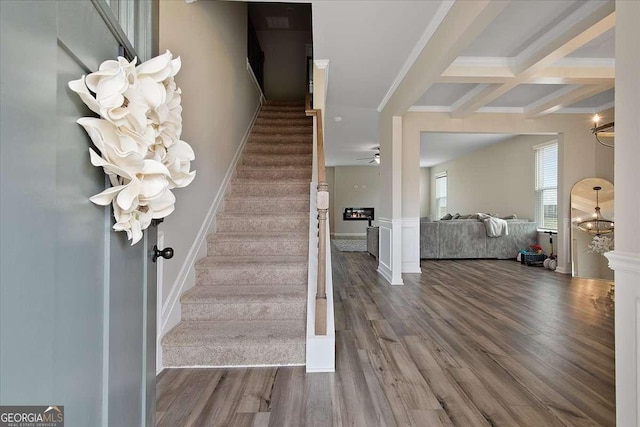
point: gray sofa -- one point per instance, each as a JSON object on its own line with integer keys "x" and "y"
{"x": 467, "y": 238}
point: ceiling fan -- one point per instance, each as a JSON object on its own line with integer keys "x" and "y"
{"x": 375, "y": 158}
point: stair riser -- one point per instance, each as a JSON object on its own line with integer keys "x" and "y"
{"x": 259, "y": 224}
{"x": 266, "y": 205}
{"x": 268, "y": 190}
{"x": 274, "y": 353}
{"x": 284, "y": 310}
{"x": 282, "y": 114}
{"x": 279, "y": 139}
{"x": 265, "y": 121}
{"x": 279, "y": 106}
{"x": 257, "y": 148}
{"x": 275, "y": 160}
{"x": 282, "y": 130}
{"x": 250, "y": 275}
{"x": 257, "y": 248}
{"x": 274, "y": 173}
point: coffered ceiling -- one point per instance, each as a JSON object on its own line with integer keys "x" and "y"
{"x": 536, "y": 57}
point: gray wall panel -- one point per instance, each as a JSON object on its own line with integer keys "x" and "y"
{"x": 27, "y": 200}
{"x": 72, "y": 292}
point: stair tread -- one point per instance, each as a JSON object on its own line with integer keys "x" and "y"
{"x": 259, "y": 236}
{"x": 202, "y": 333}
{"x": 283, "y": 261}
{"x": 291, "y": 196}
{"x": 244, "y": 293}
{"x": 285, "y": 144}
{"x": 267, "y": 215}
{"x": 274, "y": 167}
{"x": 271, "y": 181}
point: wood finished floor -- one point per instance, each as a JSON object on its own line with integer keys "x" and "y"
{"x": 466, "y": 343}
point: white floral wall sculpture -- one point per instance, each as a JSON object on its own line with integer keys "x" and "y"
{"x": 138, "y": 136}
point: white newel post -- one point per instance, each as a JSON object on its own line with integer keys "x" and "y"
{"x": 625, "y": 260}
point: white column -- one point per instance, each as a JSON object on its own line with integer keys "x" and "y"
{"x": 410, "y": 203}
{"x": 390, "y": 222}
{"x": 625, "y": 260}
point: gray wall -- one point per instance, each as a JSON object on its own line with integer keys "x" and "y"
{"x": 284, "y": 64}
{"x": 425, "y": 191}
{"x": 495, "y": 179}
{"x": 219, "y": 101}
{"x": 355, "y": 186}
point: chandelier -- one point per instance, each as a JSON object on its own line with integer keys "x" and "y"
{"x": 597, "y": 225}
{"x": 606, "y": 131}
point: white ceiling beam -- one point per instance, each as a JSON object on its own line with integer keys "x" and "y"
{"x": 553, "y": 75}
{"x": 563, "y": 98}
{"x": 464, "y": 22}
{"x": 587, "y": 23}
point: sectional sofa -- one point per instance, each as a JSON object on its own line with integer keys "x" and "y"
{"x": 467, "y": 238}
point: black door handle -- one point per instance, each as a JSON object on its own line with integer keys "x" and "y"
{"x": 166, "y": 253}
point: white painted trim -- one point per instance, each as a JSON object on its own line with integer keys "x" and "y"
{"x": 484, "y": 61}
{"x": 469, "y": 95}
{"x": 511, "y": 110}
{"x": 569, "y": 62}
{"x": 384, "y": 270}
{"x": 160, "y": 279}
{"x": 254, "y": 79}
{"x": 501, "y": 110}
{"x": 172, "y": 304}
{"x": 540, "y": 146}
{"x": 438, "y": 17}
{"x": 563, "y": 270}
{"x": 393, "y": 226}
{"x": 411, "y": 245}
{"x": 429, "y": 109}
{"x": 322, "y": 64}
{"x": 587, "y": 110}
{"x": 624, "y": 261}
{"x": 585, "y": 11}
{"x": 553, "y": 95}
{"x": 348, "y": 234}
{"x": 232, "y": 366}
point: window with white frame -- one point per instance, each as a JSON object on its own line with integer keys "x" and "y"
{"x": 441, "y": 194}
{"x": 546, "y": 186}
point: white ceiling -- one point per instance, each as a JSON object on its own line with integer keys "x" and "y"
{"x": 369, "y": 43}
{"x": 366, "y": 43}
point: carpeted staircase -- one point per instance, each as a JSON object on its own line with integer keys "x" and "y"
{"x": 248, "y": 306}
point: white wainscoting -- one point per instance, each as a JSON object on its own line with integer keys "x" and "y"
{"x": 411, "y": 245}
{"x": 564, "y": 256}
{"x": 390, "y": 250}
{"x": 627, "y": 302}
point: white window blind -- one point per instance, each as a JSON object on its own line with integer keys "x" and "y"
{"x": 441, "y": 194}
{"x": 546, "y": 186}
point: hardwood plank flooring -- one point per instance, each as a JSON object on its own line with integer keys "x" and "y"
{"x": 465, "y": 343}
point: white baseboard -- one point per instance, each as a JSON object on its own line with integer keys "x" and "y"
{"x": 563, "y": 270}
{"x": 186, "y": 277}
